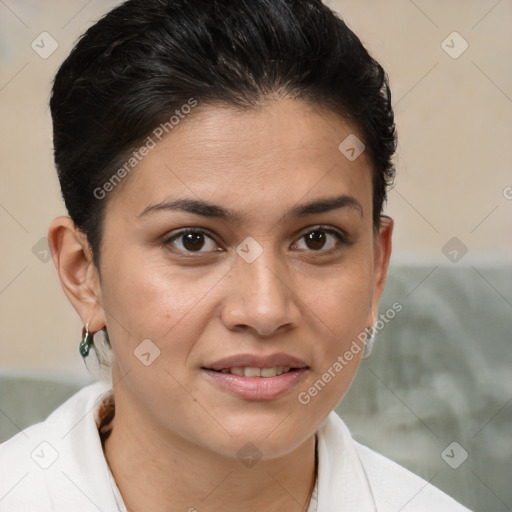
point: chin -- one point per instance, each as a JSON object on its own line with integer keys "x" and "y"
{"x": 269, "y": 434}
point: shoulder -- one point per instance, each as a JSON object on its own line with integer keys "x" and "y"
{"x": 397, "y": 488}
{"x": 37, "y": 462}
{"x": 60, "y": 420}
{"x": 392, "y": 487}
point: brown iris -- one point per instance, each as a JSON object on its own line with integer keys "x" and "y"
{"x": 193, "y": 241}
{"x": 315, "y": 239}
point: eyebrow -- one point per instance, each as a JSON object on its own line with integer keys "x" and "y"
{"x": 207, "y": 209}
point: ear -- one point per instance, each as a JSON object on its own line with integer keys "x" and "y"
{"x": 72, "y": 257}
{"x": 382, "y": 254}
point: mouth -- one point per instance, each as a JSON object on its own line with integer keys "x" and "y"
{"x": 254, "y": 377}
{"x": 257, "y": 365}
{"x": 252, "y": 371}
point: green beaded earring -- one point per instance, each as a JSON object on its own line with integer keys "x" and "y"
{"x": 87, "y": 341}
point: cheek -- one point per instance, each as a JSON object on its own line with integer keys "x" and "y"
{"x": 340, "y": 296}
{"x": 165, "y": 304}
{"x": 339, "y": 304}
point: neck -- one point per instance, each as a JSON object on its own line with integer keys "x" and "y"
{"x": 157, "y": 471}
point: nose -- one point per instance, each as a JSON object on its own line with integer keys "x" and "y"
{"x": 261, "y": 298}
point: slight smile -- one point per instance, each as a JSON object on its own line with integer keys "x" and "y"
{"x": 256, "y": 377}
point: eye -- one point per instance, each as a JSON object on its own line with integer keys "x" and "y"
{"x": 322, "y": 238}
{"x": 318, "y": 239}
{"x": 192, "y": 240}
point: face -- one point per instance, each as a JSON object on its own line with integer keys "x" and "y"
{"x": 238, "y": 264}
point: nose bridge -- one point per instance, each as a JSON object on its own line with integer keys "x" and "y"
{"x": 263, "y": 301}
{"x": 261, "y": 279}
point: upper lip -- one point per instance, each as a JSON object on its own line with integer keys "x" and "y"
{"x": 257, "y": 361}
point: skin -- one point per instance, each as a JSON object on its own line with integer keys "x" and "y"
{"x": 307, "y": 300}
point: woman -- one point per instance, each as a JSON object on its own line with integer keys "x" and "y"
{"x": 224, "y": 165}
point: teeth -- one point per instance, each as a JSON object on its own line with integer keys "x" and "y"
{"x": 268, "y": 372}
{"x": 251, "y": 371}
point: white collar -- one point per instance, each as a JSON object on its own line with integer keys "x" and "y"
{"x": 342, "y": 480}
{"x": 342, "y": 483}
{"x": 78, "y": 476}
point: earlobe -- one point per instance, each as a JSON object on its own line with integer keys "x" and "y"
{"x": 382, "y": 255}
{"x": 78, "y": 276}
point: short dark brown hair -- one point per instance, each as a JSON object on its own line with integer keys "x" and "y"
{"x": 145, "y": 59}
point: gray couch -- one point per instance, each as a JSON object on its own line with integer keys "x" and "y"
{"x": 435, "y": 396}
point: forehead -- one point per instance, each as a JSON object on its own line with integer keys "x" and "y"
{"x": 279, "y": 153}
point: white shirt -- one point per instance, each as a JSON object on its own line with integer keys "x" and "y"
{"x": 58, "y": 465}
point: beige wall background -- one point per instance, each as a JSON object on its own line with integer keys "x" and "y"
{"x": 454, "y": 179}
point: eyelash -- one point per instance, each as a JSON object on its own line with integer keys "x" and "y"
{"x": 342, "y": 239}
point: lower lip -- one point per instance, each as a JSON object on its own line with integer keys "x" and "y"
{"x": 256, "y": 388}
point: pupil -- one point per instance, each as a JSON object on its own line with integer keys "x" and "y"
{"x": 194, "y": 241}
{"x": 316, "y": 238}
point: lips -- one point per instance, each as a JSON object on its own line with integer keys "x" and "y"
{"x": 279, "y": 360}
{"x": 255, "y": 377}
{"x": 252, "y": 371}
